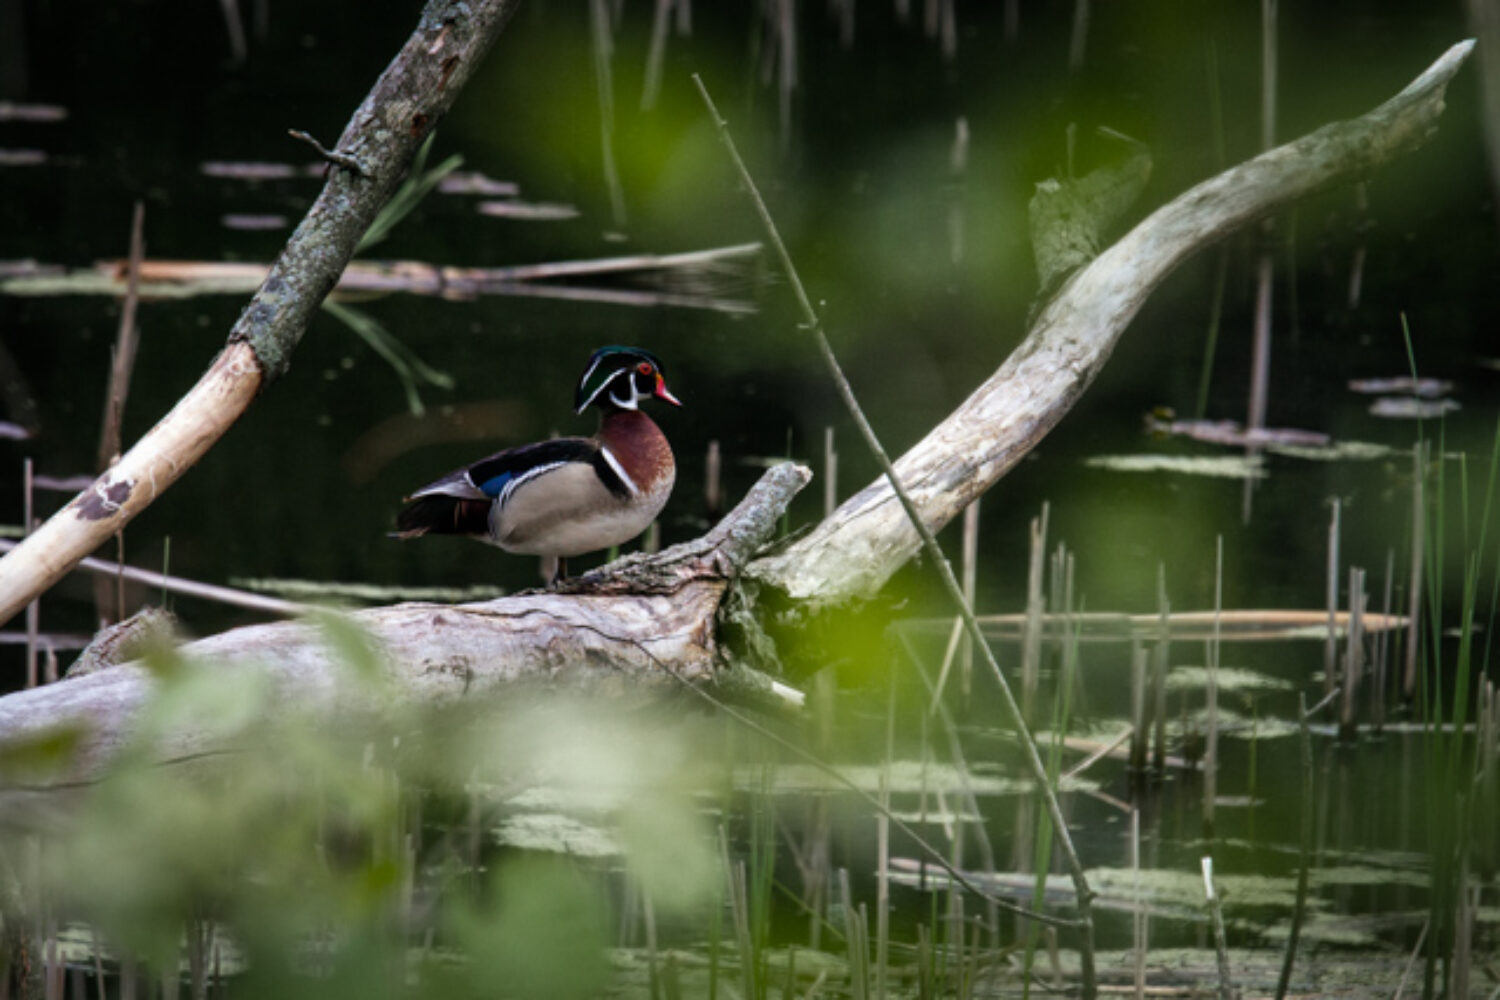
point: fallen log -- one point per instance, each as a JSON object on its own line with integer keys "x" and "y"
{"x": 641, "y": 624}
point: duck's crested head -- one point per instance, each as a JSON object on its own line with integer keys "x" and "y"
{"x": 618, "y": 378}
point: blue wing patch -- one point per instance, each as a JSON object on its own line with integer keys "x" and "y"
{"x": 495, "y": 485}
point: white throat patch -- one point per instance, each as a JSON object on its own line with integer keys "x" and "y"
{"x": 614, "y": 463}
{"x": 630, "y": 403}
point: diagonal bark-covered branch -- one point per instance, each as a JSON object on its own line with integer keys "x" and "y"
{"x": 855, "y": 550}
{"x": 414, "y": 92}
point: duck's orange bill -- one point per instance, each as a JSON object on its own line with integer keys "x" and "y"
{"x": 662, "y": 393}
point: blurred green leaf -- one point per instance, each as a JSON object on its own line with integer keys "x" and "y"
{"x": 39, "y": 756}
{"x": 669, "y": 851}
{"x": 351, "y": 644}
{"x": 403, "y": 360}
{"x": 418, "y": 184}
{"x": 540, "y": 932}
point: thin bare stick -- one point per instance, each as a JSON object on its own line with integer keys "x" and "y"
{"x": 883, "y": 846}
{"x": 34, "y": 609}
{"x": 1089, "y": 985}
{"x": 1099, "y": 754}
{"x": 969, "y": 565}
{"x": 1036, "y": 607}
{"x": 1078, "y": 39}
{"x": 1419, "y": 458}
{"x": 1260, "y": 364}
{"x": 1354, "y": 656}
{"x": 1235, "y": 625}
{"x": 1160, "y": 656}
{"x": 786, "y": 78}
{"x": 950, "y": 654}
{"x": 1362, "y": 225}
{"x": 656, "y": 54}
{"x": 1378, "y": 686}
{"x": 603, "y": 46}
{"x": 1330, "y": 641}
{"x": 337, "y": 157}
{"x": 188, "y": 588}
{"x": 1412, "y": 959}
{"x": 1304, "y": 848}
{"x": 1211, "y": 752}
{"x": 1138, "y": 917}
{"x": 830, "y": 473}
{"x": 1323, "y": 703}
{"x": 173, "y": 279}
{"x": 1216, "y": 914}
{"x": 234, "y": 22}
{"x": 127, "y": 340}
{"x": 1138, "y": 729}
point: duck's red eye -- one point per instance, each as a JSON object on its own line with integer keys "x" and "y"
{"x": 644, "y": 368}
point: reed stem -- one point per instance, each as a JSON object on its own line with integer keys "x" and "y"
{"x": 1330, "y": 640}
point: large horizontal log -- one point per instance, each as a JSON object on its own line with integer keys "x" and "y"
{"x": 640, "y": 625}
{"x": 855, "y": 550}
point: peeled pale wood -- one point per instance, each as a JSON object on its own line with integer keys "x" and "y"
{"x": 130, "y": 486}
{"x": 853, "y": 552}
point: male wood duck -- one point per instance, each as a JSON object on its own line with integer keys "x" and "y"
{"x": 570, "y": 495}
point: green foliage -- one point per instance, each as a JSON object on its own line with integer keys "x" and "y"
{"x": 354, "y": 859}
{"x": 536, "y": 931}
{"x": 419, "y": 184}
{"x": 409, "y": 368}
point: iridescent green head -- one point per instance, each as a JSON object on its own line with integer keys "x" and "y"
{"x": 619, "y": 378}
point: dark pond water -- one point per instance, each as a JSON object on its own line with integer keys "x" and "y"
{"x": 923, "y": 272}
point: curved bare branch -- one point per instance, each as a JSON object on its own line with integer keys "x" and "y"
{"x": 855, "y": 550}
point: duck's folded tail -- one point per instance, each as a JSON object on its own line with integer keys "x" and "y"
{"x": 436, "y": 514}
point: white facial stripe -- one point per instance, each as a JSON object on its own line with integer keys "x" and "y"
{"x": 626, "y": 404}
{"x": 614, "y": 463}
{"x": 592, "y": 366}
{"x": 606, "y": 384}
